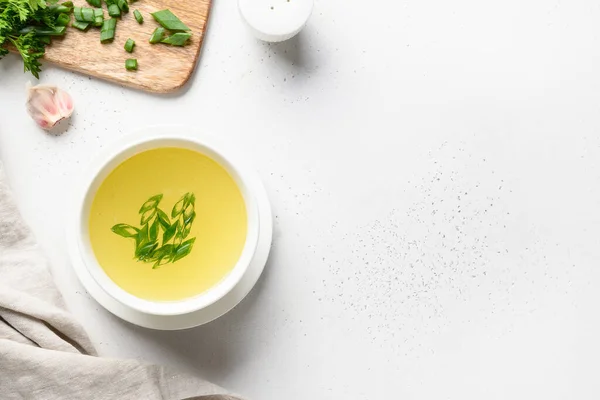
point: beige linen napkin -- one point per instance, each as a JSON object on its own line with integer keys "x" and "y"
{"x": 45, "y": 353}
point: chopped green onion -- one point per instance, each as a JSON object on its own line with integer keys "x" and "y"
{"x": 84, "y": 14}
{"x": 82, "y": 26}
{"x": 123, "y": 5}
{"x": 61, "y": 8}
{"x": 107, "y": 33}
{"x": 129, "y": 44}
{"x": 131, "y": 64}
{"x": 46, "y": 39}
{"x": 88, "y": 14}
{"x": 98, "y": 17}
{"x": 157, "y": 35}
{"x": 78, "y": 14}
{"x": 67, "y": 4}
{"x": 44, "y": 31}
{"x": 95, "y": 3}
{"x": 114, "y": 11}
{"x": 138, "y": 16}
{"x": 168, "y": 20}
{"x": 62, "y": 20}
{"x": 177, "y": 39}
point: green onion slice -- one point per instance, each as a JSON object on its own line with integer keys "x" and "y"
{"x": 169, "y": 21}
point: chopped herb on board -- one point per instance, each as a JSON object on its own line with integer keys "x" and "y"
{"x": 131, "y": 64}
{"x": 169, "y": 21}
{"x": 82, "y": 26}
{"x": 177, "y": 39}
{"x": 157, "y": 35}
{"x": 129, "y": 45}
{"x": 107, "y": 33}
{"x": 123, "y": 6}
{"x": 138, "y": 16}
{"x": 178, "y": 34}
{"x": 114, "y": 11}
{"x": 44, "y": 31}
{"x": 98, "y": 17}
{"x": 62, "y": 20}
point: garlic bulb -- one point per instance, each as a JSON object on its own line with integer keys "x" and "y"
{"x": 48, "y": 105}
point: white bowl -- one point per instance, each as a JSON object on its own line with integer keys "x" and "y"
{"x": 275, "y": 20}
{"x": 84, "y": 260}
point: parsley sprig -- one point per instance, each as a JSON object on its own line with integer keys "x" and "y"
{"x": 15, "y": 17}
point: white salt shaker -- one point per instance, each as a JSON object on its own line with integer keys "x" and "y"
{"x": 275, "y": 20}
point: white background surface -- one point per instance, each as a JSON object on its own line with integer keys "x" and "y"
{"x": 434, "y": 171}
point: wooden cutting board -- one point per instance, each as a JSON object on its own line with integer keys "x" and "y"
{"x": 161, "y": 68}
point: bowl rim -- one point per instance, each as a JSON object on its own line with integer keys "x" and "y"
{"x": 140, "y": 141}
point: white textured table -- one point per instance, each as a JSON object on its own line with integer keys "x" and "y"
{"x": 434, "y": 169}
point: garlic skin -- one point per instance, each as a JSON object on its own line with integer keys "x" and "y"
{"x": 48, "y": 105}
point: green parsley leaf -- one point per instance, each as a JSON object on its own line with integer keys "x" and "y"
{"x": 15, "y": 15}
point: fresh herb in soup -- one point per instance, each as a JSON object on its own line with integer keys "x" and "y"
{"x": 169, "y": 247}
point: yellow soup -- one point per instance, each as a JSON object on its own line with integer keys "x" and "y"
{"x": 168, "y": 224}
